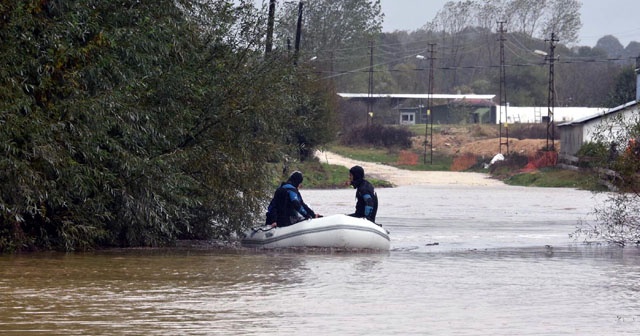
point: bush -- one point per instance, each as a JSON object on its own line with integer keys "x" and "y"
{"x": 378, "y": 136}
{"x": 507, "y": 167}
{"x": 592, "y": 154}
{"x": 616, "y": 222}
{"x": 592, "y": 149}
{"x": 531, "y": 131}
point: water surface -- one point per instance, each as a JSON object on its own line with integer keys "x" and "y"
{"x": 464, "y": 261}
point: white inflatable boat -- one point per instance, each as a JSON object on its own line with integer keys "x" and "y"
{"x": 335, "y": 231}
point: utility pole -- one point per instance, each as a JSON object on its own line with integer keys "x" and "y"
{"x": 420, "y": 88}
{"x": 551, "y": 102}
{"x": 503, "y": 92}
{"x": 428, "y": 126}
{"x": 370, "y": 91}
{"x": 637, "y": 70}
{"x": 298, "y": 34}
{"x": 270, "y": 22}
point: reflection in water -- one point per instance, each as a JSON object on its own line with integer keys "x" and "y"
{"x": 513, "y": 274}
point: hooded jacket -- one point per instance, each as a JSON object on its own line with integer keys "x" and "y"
{"x": 366, "y": 198}
{"x": 287, "y": 206}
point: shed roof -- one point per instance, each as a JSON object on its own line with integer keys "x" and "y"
{"x": 417, "y": 96}
{"x": 599, "y": 115}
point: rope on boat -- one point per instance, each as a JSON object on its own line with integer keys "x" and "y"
{"x": 262, "y": 229}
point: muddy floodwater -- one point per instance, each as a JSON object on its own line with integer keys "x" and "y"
{"x": 463, "y": 261}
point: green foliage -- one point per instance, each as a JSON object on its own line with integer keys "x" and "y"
{"x": 625, "y": 87}
{"x": 593, "y": 154}
{"x": 458, "y": 113}
{"x": 367, "y": 154}
{"x": 527, "y": 86}
{"x": 379, "y": 136}
{"x": 419, "y": 129}
{"x": 315, "y": 117}
{"x": 326, "y": 176}
{"x": 556, "y": 178}
{"x": 322, "y": 175}
{"x": 429, "y": 162}
{"x": 593, "y": 149}
{"x": 436, "y": 162}
{"x": 137, "y": 123}
{"x": 530, "y": 131}
{"x": 331, "y": 30}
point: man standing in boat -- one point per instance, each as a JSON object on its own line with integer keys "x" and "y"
{"x": 367, "y": 200}
{"x": 287, "y": 207}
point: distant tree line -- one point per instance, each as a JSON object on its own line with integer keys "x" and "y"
{"x": 466, "y": 59}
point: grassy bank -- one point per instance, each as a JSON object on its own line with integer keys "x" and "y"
{"x": 555, "y": 178}
{"x": 319, "y": 175}
{"x": 392, "y": 157}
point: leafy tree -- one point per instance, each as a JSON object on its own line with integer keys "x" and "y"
{"x": 315, "y": 122}
{"x": 624, "y": 90}
{"x": 539, "y": 19}
{"x": 563, "y": 18}
{"x": 407, "y": 77}
{"x": 488, "y": 12}
{"x": 583, "y": 83}
{"x": 334, "y": 25}
{"x": 452, "y": 20}
{"x": 527, "y": 86}
{"x": 136, "y": 122}
{"x": 524, "y": 16}
{"x": 337, "y": 33}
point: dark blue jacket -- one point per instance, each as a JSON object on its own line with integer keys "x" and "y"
{"x": 366, "y": 200}
{"x": 287, "y": 207}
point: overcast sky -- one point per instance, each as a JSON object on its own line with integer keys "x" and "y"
{"x": 619, "y": 18}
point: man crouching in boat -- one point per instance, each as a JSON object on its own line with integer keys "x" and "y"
{"x": 287, "y": 207}
{"x": 366, "y": 198}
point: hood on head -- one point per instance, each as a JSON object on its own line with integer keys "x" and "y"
{"x": 357, "y": 172}
{"x": 295, "y": 179}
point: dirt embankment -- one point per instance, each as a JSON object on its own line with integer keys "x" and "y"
{"x": 483, "y": 141}
{"x": 480, "y": 141}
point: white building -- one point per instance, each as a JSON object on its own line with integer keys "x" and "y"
{"x": 538, "y": 114}
{"x": 607, "y": 125}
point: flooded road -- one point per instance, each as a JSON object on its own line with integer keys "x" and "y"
{"x": 463, "y": 261}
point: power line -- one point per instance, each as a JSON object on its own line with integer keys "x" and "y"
{"x": 333, "y": 74}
